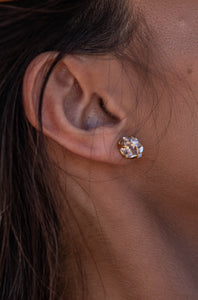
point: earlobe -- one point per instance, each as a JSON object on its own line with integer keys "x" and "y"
{"x": 74, "y": 113}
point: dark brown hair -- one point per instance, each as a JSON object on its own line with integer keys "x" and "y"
{"x": 29, "y": 206}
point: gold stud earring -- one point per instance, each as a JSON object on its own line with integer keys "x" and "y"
{"x": 130, "y": 147}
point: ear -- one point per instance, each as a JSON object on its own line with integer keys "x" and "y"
{"x": 79, "y": 111}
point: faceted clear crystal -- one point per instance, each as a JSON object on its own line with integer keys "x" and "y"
{"x": 130, "y": 147}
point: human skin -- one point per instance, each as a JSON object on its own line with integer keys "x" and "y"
{"x": 138, "y": 217}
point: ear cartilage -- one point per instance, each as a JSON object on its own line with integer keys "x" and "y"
{"x": 130, "y": 147}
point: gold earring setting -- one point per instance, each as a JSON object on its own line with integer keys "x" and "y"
{"x": 130, "y": 147}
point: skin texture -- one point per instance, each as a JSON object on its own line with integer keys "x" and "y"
{"x": 138, "y": 217}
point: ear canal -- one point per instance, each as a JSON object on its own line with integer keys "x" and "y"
{"x": 97, "y": 115}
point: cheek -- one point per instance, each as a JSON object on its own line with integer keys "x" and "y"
{"x": 174, "y": 25}
{"x": 178, "y": 145}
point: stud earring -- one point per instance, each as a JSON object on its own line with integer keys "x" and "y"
{"x": 130, "y": 147}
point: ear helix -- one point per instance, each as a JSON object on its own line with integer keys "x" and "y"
{"x": 130, "y": 147}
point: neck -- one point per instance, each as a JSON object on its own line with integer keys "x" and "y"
{"x": 133, "y": 246}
